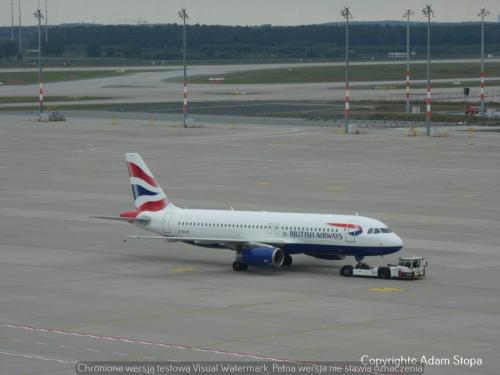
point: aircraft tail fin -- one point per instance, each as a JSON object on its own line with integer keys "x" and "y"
{"x": 148, "y": 195}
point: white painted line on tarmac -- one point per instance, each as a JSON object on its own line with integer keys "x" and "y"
{"x": 66, "y": 347}
{"x": 146, "y": 342}
{"x": 41, "y": 343}
{"x": 35, "y": 356}
{"x": 92, "y": 350}
{"x": 16, "y": 340}
{"x": 155, "y": 343}
{"x": 120, "y": 354}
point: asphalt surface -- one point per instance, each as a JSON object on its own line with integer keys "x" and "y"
{"x": 71, "y": 289}
{"x": 158, "y": 86}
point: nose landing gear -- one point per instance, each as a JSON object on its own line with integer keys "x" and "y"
{"x": 360, "y": 264}
{"x": 288, "y": 260}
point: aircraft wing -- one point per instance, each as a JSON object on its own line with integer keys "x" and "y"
{"x": 229, "y": 242}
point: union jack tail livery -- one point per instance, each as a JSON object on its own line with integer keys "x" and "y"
{"x": 148, "y": 195}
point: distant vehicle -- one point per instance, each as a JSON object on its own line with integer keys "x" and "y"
{"x": 258, "y": 238}
{"x": 408, "y": 268}
{"x": 471, "y": 110}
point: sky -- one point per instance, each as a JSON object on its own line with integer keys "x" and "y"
{"x": 242, "y": 12}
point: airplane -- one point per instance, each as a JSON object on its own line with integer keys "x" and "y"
{"x": 259, "y": 238}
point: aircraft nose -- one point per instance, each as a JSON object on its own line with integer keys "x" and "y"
{"x": 397, "y": 241}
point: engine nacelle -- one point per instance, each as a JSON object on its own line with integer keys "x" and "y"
{"x": 262, "y": 256}
{"x": 326, "y": 256}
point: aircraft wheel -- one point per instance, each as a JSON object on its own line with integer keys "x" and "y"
{"x": 384, "y": 273}
{"x": 346, "y": 271}
{"x": 288, "y": 260}
{"x": 237, "y": 266}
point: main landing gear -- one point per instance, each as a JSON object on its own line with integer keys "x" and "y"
{"x": 288, "y": 260}
{"x": 238, "y": 266}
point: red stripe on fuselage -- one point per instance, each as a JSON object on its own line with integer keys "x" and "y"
{"x": 349, "y": 226}
{"x": 136, "y": 171}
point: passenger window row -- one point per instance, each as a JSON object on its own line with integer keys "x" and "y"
{"x": 219, "y": 225}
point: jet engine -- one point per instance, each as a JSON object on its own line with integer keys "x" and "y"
{"x": 262, "y": 256}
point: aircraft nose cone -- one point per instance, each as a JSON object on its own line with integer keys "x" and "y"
{"x": 397, "y": 241}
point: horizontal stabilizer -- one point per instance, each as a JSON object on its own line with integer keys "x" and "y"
{"x": 151, "y": 238}
{"x": 125, "y": 219}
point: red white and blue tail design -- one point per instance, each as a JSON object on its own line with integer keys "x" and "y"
{"x": 148, "y": 195}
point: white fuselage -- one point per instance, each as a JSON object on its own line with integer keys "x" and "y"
{"x": 297, "y": 232}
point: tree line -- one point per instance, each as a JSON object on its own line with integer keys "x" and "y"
{"x": 164, "y": 42}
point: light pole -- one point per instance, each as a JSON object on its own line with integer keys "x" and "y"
{"x": 46, "y": 21}
{"x": 407, "y": 15}
{"x": 12, "y": 19}
{"x": 427, "y": 11}
{"x": 183, "y": 14}
{"x": 346, "y": 13}
{"x": 20, "y": 33}
{"x": 38, "y": 15}
{"x": 483, "y": 13}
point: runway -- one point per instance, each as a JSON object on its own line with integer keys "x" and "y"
{"x": 157, "y": 85}
{"x": 71, "y": 289}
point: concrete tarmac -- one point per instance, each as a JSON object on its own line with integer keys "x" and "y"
{"x": 71, "y": 289}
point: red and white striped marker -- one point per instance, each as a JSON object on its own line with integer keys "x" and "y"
{"x": 482, "y": 87}
{"x": 40, "y": 102}
{"x": 347, "y": 109}
{"x": 408, "y": 84}
{"x": 185, "y": 106}
{"x": 429, "y": 102}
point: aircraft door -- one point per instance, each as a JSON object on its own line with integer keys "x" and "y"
{"x": 273, "y": 229}
{"x": 350, "y": 231}
{"x": 269, "y": 228}
{"x": 166, "y": 223}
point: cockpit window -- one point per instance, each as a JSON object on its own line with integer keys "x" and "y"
{"x": 379, "y": 230}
